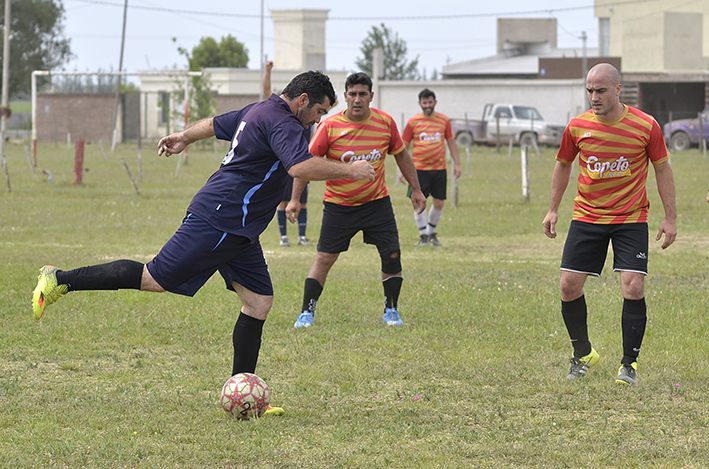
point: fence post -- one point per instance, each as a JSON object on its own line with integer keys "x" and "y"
{"x": 525, "y": 174}
{"x": 78, "y": 161}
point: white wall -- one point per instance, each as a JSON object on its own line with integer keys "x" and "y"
{"x": 556, "y": 100}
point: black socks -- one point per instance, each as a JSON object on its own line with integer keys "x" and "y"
{"x": 311, "y": 294}
{"x": 633, "y": 322}
{"x": 575, "y": 315}
{"x": 247, "y": 343}
{"x": 123, "y": 274}
{"x": 392, "y": 288}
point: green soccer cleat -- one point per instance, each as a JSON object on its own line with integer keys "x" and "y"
{"x": 274, "y": 411}
{"x": 47, "y": 291}
{"x": 628, "y": 374}
{"x": 580, "y": 366}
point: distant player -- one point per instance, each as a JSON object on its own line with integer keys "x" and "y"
{"x": 430, "y": 130}
{"x": 616, "y": 145}
{"x": 359, "y": 133}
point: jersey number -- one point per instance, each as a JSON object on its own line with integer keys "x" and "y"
{"x": 234, "y": 143}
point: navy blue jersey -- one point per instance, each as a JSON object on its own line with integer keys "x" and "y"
{"x": 242, "y": 195}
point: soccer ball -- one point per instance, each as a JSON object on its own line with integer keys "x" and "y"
{"x": 245, "y": 396}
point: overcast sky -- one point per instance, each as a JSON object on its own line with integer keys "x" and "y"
{"x": 439, "y": 32}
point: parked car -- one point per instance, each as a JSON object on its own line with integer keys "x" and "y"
{"x": 683, "y": 133}
{"x": 523, "y": 124}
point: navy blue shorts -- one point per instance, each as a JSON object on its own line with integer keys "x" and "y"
{"x": 375, "y": 219}
{"x": 433, "y": 182}
{"x": 196, "y": 251}
{"x": 586, "y": 247}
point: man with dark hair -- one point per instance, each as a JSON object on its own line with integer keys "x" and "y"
{"x": 225, "y": 218}
{"x": 359, "y": 133}
{"x": 430, "y": 130}
{"x": 616, "y": 145}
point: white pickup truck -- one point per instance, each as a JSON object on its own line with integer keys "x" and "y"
{"x": 523, "y": 124}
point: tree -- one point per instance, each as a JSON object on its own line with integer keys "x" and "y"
{"x": 396, "y": 65}
{"x": 228, "y": 53}
{"x": 36, "y": 41}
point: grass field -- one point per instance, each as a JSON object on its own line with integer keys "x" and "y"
{"x": 474, "y": 378}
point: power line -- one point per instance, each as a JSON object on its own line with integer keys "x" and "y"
{"x": 374, "y": 18}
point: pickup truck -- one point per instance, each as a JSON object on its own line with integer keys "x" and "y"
{"x": 523, "y": 124}
{"x": 683, "y": 133}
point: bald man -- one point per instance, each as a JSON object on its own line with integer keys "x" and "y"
{"x": 616, "y": 145}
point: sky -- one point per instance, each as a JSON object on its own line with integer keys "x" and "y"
{"x": 438, "y": 33}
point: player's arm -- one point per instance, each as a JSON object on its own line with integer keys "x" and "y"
{"x": 267, "y": 79}
{"x": 177, "y": 142}
{"x": 453, "y": 147}
{"x": 320, "y": 169}
{"x": 294, "y": 206}
{"x": 559, "y": 182}
{"x": 408, "y": 170}
{"x": 666, "y": 189}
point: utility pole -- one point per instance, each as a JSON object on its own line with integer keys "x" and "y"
{"x": 118, "y": 84}
{"x": 584, "y": 66}
{"x": 5, "y": 114}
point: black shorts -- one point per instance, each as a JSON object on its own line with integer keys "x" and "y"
{"x": 196, "y": 250}
{"x": 289, "y": 190}
{"x": 375, "y": 219}
{"x": 586, "y": 247}
{"x": 433, "y": 183}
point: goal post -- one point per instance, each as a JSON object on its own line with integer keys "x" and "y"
{"x": 81, "y": 83}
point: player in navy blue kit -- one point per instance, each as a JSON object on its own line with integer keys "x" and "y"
{"x": 225, "y": 218}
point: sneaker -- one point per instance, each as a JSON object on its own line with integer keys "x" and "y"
{"x": 391, "y": 317}
{"x": 433, "y": 240}
{"x": 47, "y": 291}
{"x": 303, "y": 241}
{"x": 423, "y": 241}
{"x": 628, "y": 374}
{"x": 274, "y": 411}
{"x": 580, "y": 366}
{"x": 285, "y": 242}
{"x": 305, "y": 319}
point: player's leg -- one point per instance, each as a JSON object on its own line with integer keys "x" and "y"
{"x": 54, "y": 283}
{"x": 421, "y": 219}
{"x": 281, "y": 212}
{"x": 584, "y": 254}
{"x": 303, "y": 218}
{"x": 248, "y": 329}
{"x": 434, "y": 218}
{"x": 439, "y": 182}
{"x": 314, "y": 284}
{"x": 339, "y": 225}
{"x": 283, "y": 223}
{"x": 246, "y": 273}
{"x": 380, "y": 229}
{"x": 630, "y": 247}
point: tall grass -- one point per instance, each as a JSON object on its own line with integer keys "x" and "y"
{"x": 474, "y": 378}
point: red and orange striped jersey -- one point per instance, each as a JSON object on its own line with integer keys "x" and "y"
{"x": 614, "y": 162}
{"x": 341, "y": 139}
{"x": 429, "y": 134}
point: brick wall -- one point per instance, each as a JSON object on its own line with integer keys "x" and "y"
{"x": 85, "y": 116}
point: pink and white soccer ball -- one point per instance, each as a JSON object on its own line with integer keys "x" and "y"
{"x": 245, "y": 396}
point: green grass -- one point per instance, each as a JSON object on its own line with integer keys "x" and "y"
{"x": 474, "y": 378}
{"x": 21, "y": 106}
